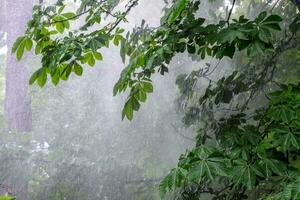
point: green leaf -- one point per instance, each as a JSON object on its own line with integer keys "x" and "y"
{"x": 91, "y": 61}
{"x": 17, "y": 43}
{"x": 255, "y": 48}
{"x": 147, "y": 87}
{"x": 61, "y": 9}
{"x": 128, "y": 110}
{"x": 231, "y": 35}
{"x": 123, "y": 50}
{"x": 265, "y": 35}
{"x": 98, "y": 56}
{"x": 66, "y": 70}
{"x": 60, "y": 27}
{"x": 42, "y": 79}
{"x": 244, "y": 174}
{"x": 69, "y": 15}
{"x": 261, "y": 16}
{"x": 66, "y": 24}
{"x": 6, "y": 197}
{"x": 20, "y": 45}
{"x": 34, "y": 76}
{"x": 94, "y": 45}
{"x": 142, "y": 96}
{"x": 291, "y": 141}
{"x": 172, "y": 181}
{"x": 270, "y": 166}
{"x": 28, "y": 44}
{"x": 55, "y": 76}
{"x": 272, "y": 19}
{"x": 117, "y": 40}
{"x": 281, "y": 113}
{"x": 20, "y": 50}
{"x": 135, "y": 104}
{"x": 175, "y": 11}
{"x": 209, "y": 165}
{"x": 38, "y": 47}
{"x": 89, "y": 58}
{"x": 78, "y": 69}
{"x": 163, "y": 187}
{"x": 116, "y": 88}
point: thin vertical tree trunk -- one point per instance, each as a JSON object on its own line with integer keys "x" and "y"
{"x": 17, "y": 102}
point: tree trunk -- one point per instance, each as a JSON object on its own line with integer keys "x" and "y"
{"x": 17, "y": 102}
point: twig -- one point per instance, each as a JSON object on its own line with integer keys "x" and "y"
{"x": 74, "y": 17}
{"x": 213, "y": 68}
{"x": 107, "y": 12}
{"x": 274, "y": 5}
{"x": 230, "y": 12}
{"x": 134, "y": 3}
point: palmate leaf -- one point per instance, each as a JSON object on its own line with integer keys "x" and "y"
{"x": 209, "y": 164}
{"x": 272, "y": 23}
{"x": 290, "y": 191}
{"x": 172, "y": 181}
{"x": 245, "y": 174}
{"x": 286, "y": 139}
{"x": 265, "y": 35}
{"x": 282, "y": 113}
{"x": 271, "y": 166}
{"x": 231, "y": 35}
{"x": 209, "y": 169}
{"x": 202, "y": 163}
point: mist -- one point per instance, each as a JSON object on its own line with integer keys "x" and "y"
{"x": 69, "y": 142}
{"x": 79, "y": 147}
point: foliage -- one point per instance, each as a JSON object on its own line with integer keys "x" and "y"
{"x": 238, "y": 154}
{"x": 251, "y": 153}
{"x": 64, "y": 55}
{"x": 6, "y": 197}
{"x": 61, "y": 56}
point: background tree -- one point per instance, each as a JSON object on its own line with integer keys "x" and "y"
{"x": 17, "y": 102}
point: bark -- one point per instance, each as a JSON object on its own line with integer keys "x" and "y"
{"x": 17, "y": 101}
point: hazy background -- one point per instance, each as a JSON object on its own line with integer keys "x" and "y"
{"x": 79, "y": 148}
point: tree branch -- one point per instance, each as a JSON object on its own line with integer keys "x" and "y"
{"x": 230, "y": 12}
{"x": 76, "y": 16}
{"x": 134, "y": 3}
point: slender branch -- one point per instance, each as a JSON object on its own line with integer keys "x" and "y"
{"x": 209, "y": 79}
{"x": 275, "y": 5}
{"x": 230, "y": 12}
{"x": 271, "y": 62}
{"x": 107, "y": 12}
{"x": 74, "y": 17}
{"x": 82, "y": 13}
{"x": 134, "y": 3}
{"x": 209, "y": 73}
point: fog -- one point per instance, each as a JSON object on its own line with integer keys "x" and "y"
{"x": 79, "y": 147}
